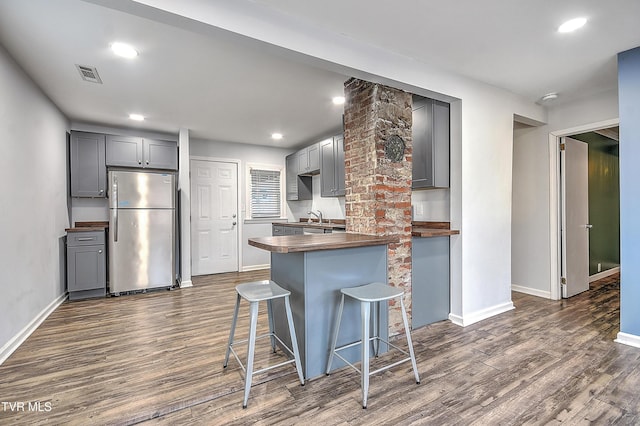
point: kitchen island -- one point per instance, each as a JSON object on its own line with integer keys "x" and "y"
{"x": 314, "y": 268}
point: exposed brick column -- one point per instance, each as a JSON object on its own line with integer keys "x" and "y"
{"x": 378, "y": 190}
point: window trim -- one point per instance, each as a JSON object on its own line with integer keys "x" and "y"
{"x": 249, "y": 213}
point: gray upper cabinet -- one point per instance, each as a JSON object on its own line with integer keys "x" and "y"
{"x": 125, "y": 151}
{"x": 159, "y": 154}
{"x": 303, "y": 161}
{"x": 313, "y": 155}
{"x": 298, "y": 187}
{"x": 309, "y": 160}
{"x": 338, "y": 146}
{"x": 88, "y": 170}
{"x": 430, "y": 133}
{"x": 332, "y": 167}
{"x": 129, "y": 151}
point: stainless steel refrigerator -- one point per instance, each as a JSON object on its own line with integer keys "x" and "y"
{"x": 141, "y": 230}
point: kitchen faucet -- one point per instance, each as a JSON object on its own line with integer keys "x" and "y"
{"x": 317, "y": 215}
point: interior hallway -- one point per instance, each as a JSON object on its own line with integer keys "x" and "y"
{"x": 157, "y": 358}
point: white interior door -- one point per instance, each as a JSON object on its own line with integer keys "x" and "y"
{"x": 214, "y": 217}
{"x": 575, "y": 227}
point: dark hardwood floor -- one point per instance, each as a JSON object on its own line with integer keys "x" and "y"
{"x": 157, "y": 358}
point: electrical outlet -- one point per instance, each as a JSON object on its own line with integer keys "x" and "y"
{"x": 599, "y": 267}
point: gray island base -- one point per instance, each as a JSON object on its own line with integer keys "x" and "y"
{"x": 314, "y": 279}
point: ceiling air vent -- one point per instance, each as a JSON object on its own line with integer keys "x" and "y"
{"x": 89, "y": 73}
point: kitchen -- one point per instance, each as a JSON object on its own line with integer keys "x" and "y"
{"x": 484, "y": 287}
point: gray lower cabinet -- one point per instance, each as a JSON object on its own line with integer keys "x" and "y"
{"x": 87, "y": 163}
{"x": 298, "y": 187}
{"x": 332, "y": 167}
{"x": 131, "y": 151}
{"x": 429, "y": 280}
{"x": 431, "y": 136}
{"x": 86, "y": 265}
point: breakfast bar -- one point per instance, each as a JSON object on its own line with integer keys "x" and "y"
{"x": 314, "y": 268}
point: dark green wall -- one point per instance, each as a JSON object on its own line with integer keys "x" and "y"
{"x": 604, "y": 201}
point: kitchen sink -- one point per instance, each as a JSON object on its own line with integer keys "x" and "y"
{"x": 308, "y": 230}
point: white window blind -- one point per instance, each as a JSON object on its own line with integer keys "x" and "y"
{"x": 265, "y": 193}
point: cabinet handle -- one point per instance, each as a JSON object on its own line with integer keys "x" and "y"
{"x": 100, "y": 251}
{"x": 86, "y": 239}
{"x": 139, "y": 162}
{"x": 101, "y": 191}
{"x": 147, "y": 163}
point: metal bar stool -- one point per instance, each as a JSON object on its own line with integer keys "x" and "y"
{"x": 254, "y": 293}
{"x": 366, "y": 295}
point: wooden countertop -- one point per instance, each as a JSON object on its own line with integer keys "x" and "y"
{"x": 88, "y": 226}
{"x": 433, "y": 232}
{"x": 432, "y": 229}
{"x": 314, "y": 242}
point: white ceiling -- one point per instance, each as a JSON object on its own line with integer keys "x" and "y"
{"x": 225, "y": 87}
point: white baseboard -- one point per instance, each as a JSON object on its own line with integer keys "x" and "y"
{"x": 17, "y": 340}
{"x": 603, "y": 274}
{"x": 186, "y": 284}
{"x": 483, "y": 314}
{"x": 456, "y": 319}
{"x": 628, "y": 339}
{"x": 255, "y": 267}
{"x": 531, "y": 291}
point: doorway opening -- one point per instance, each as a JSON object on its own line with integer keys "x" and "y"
{"x": 589, "y": 204}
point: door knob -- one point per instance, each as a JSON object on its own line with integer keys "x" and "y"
{"x": 233, "y": 215}
{"x": 234, "y": 223}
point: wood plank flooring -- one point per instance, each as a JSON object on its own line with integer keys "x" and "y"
{"x": 156, "y": 358}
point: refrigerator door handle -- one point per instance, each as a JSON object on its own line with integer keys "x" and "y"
{"x": 115, "y": 210}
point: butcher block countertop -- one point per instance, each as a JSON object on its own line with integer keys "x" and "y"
{"x": 88, "y": 227}
{"x": 432, "y": 229}
{"x": 314, "y": 242}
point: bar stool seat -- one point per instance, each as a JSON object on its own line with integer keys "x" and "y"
{"x": 254, "y": 293}
{"x": 366, "y": 295}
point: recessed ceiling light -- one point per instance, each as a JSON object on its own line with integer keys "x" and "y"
{"x": 276, "y": 136}
{"x": 572, "y": 25}
{"x": 136, "y": 117}
{"x": 550, "y": 97}
{"x": 124, "y": 50}
{"x": 338, "y": 100}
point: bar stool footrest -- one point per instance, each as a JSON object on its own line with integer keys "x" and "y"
{"x": 262, "y": 370}
{"x": 350, "y": 345}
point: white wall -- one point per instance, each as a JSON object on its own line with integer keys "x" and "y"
{"x": 431, "y": 205}
{"x": 530, "y": 257}
{"x": 251, "y": 257}
{"x": 33, "y": 213}
{"x": 592, "y": 109}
